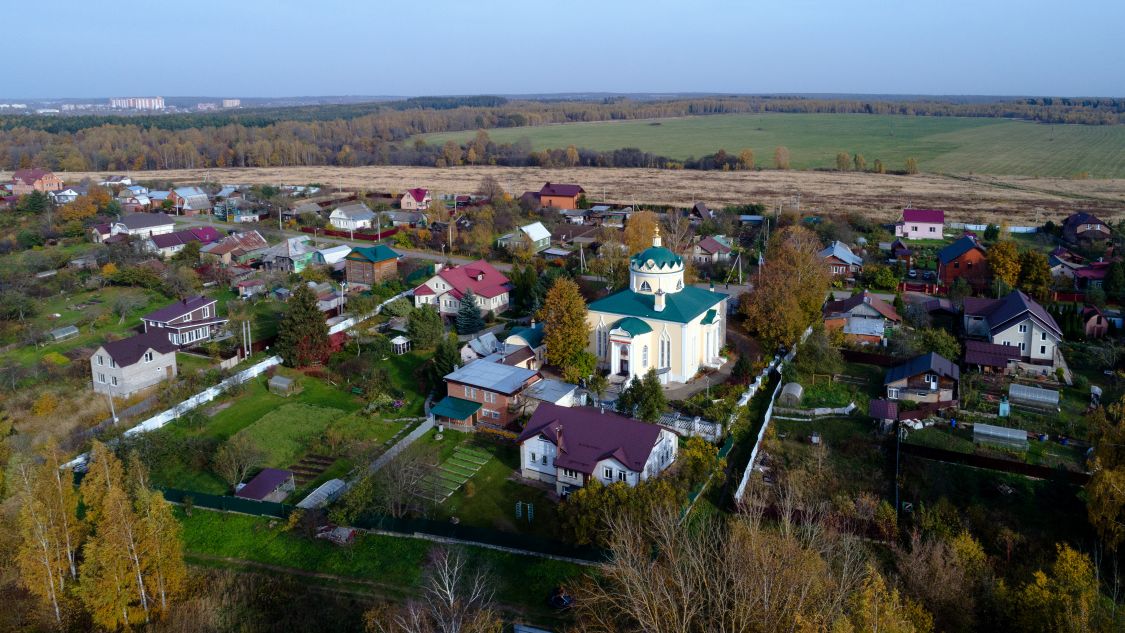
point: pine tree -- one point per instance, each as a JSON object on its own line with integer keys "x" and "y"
{"x": 469, "y": 320}
{"x": 643, "y": 399}
{"x": 302, "y": 335}
{"x": 565, "y": 330}
{"x": 442, "y": 363}
{"x": 424, "y": 327}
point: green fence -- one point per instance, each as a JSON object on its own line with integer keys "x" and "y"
{"x": 228, "y": 504}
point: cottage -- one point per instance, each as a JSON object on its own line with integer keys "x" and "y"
{"x": 121, "y": 368}
{"x": 840, "y": 260}
{"x": 116, "y": 181}
{"x": 480, "y": 347}
{"x": 143, "y": 225}
{"x": 235, "y": 248}
{"x": 247, "y": 288}
{"x": 569, "y": 447}
{"x": 445, "y": 289}
{"x": 863, "y": 317}
{"x": 560, "y": 196}
{"x": 406, "y": 219}
{"x": 25, "y": 181}
{"x": 1085, "y": 227}
{"x": 293, "y": 255}
{"x": 333, "y": 256}
{"x": 534, "y": 236}
{"x": 1065, "y": 263}
{"x": 187, "y": 322}
{"x": 921, "y": 224}
{"x": 67, "y": 195}
{"x": 964, "y": 259}
{"x": 700, "y": 213}
{"x": 1015, "y": 320}
{"x": 417, "y": 199}
{"x": 929, "y": 378}
{"x": 352, "y": 217}
{"x": 530, "y": 337}
{"x": 483, "y": 392}
{"x": 190, "y": 200}
{"x": 365, "y": 266}
{"x": 168, "y": 244}
{"x": 711, "y": 250}
{"x": 272, "y": 484}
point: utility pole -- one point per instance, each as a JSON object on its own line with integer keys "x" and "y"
{"x": 112, "y": 409}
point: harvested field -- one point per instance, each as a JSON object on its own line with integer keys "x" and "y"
{"x": 1016, "y": 200}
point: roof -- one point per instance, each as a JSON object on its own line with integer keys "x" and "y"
{"x": 860, "y": 326}
{"x": 840, "y": 251}
{"x": 660, "y": 257}
{"x": 989, "y": 354}
{"x": 702, "y": 210}
{"x": 292, "y": 247}
{"x": 306, "y": 207}
{"x": 484, "y": 344}
{"x": 1096, "y": 270}
{"x": 1016, "y": 306}
{"x": 679, "y": 307}
{"x": 178, "y": 309}
{"x": 188, "y": 192}
{"x": 264, "y": 483}
{"x": 419, "y": 194}
{"x": 926, "y": 363}
{"x": 455, "y": 408}
{"x": 958, "y": 248}
{"x": 492, "y": 376}
{"x": 536, "y": 231}
{"x": 1082, "y": 217}
{"x": 550, "y": 390}
{"x": 934, "y": 216}
{"x": 247, "y": 241}
{"x": 883, "y": 409}
{"x": 135, "y": 221}
{"x": 204, "y": 234}
{"x": 632, "y": 325}
{"x": 861, "y": 298}
{"x": 281, "y": 381}
{"x": 713, "y": 246}
{"x": 560, "y": 190}
{"x": 130, "y": 350}
{"x": 354, "y": 211}
{"x": 532, "y": 335}
{"x": 1027, "y": 393}
{"x": 709, "y": 318}
{"x": 30, "y": 176}
{"x": 479, "y": 276}
{"x": 373, "y": 254}
{"x": 333, "y": 254}
{"x": 410, "y": 217}
{"x": 522, "y": 354}
{"x": 585, "y": 436}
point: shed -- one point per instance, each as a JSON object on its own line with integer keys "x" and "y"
{"x": 281, "y": 385}
{"x": 1033, "y": 396}
{"x": 64, "y": 332}
{"x": 400, "y": 344}
{"x": 791, "y": 395}
{"x": 272, "y": 484}
{"x": 1000, "y": 436}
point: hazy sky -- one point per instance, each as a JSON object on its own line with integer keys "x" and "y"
{"x": 244, "y": 48}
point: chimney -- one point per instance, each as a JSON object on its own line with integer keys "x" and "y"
{"x": 559, "y": 439}
{"x": 658, "y": 302}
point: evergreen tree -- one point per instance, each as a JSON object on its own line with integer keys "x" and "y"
{"x": 469, "y": 320}
{"x": 643, "y": 399}
{"x": 302, "y": 335}
{"x": 424, "y": 327}
{"x": 446, "y": 357}
{"x": 1114, "y": 283}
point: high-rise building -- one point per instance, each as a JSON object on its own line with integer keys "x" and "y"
{"x": 232, "y": 103}
{"x": 137, "y": 103}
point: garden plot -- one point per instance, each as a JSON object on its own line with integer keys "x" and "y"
{"x": 452, "y": 474}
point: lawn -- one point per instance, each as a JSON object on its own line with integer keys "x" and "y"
{"x": 941, "y": 144}
{"x": 846, "y": 463}
{"x": 284, "y": 433}
{"x": 187, "y": 364}
{"x": 960, "y": 440}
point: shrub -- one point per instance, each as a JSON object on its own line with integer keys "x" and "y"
{"x": 45, "y": 404}
{"x": 55, "y": 358}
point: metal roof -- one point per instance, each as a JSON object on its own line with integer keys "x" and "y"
{"x": 492, "y": 376}
{"x": 455, "y": 408}
{"x": 679, "y": 307}
{"x": 267, "y": 481}
{"x": 840, "y": 251}
{"x": 932, "y": 362}
{"x": 550, "y": 390}
{"x": 632, "y": 325}
{"x": 536, "y": 231}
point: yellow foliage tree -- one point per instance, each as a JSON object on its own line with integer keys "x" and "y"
{"x": 640, "y": 231}
{"x": 45, "y": 404}
{"x": 109, "y": 269}
{"x": 1004, "y": 261}
{"x": 565, "y": 330}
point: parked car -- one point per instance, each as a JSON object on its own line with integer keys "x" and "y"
{"x": 913, "y": 274}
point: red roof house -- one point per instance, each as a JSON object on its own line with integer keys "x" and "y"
{"x": 445, "y": 289}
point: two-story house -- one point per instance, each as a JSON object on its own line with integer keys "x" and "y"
{"x": 417, "y": 199}
{"x": 445, "y": 289}
{"x": 921, "y": 224}
{"x": 840, "y": 260}
{"x": 964, "y": 259}
{"x": 1085, "y": 227}
{"x": 483, "y": 391}
{"x": 1015, "y": 320}
{"x": 560, "y": 196}
{"x": 863, "y": 318}
{"x": 186, "y": 323}
{"x": 370, "y": 265}
{"x": 190, "y": 200}
{"x": 168, "y": 244}
{"x": 24, "y": 181}
{"x": 121, "y": 368}
{"x": 534, "y": 236}
{"x": 711, "y": 250}
{"x": 930, "y": 378}
{"x": 352, "y": 217}
{"x": 570, "y": 446}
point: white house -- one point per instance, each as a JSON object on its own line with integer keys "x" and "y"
{"x": 143, "y": 225}
{"x": 569, "y": 446}
{"x": 711, "y": 250}
{"x": 445, "y": 289}
{"x": 121, "y": 368}
{"x": 1018, "y": 321}
{"x": 534, "y": 235}
{"x": 921, "y": 224}
{"x": 352, "y": 217}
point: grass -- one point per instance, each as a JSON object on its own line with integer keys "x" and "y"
{"x": 284, "y": 433}
{"x": 960, "y": 440}
{"x": 847, "y": 463}
{"x": 191, "y": 364}
{"x": 941, "y": 144}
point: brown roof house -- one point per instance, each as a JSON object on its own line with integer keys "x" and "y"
{"x": 929, "y": 379}
{"x": 840, "y": 260}
{"x": 24, "y": 181}
{"x": 964, "y": 259}
{"x": 186, "y": 323}
{"x": 1015, "y": 320}
{"x": 483, "y": 391}
{"x": 124, "y": 367}
{"x": 236, "y": 248}
{"x": 863, "y": 317}
{"x": 570, "y": 446}
{"x": 560, "y": 196}
{"x": 1082, "y": 226}
{"x": 711, "y": 250}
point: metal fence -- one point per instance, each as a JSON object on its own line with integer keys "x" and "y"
{"x": 226, "y": 503}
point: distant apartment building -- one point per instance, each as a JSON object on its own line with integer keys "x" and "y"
{"x": 232, "y": 103}
{"x": 137, "y": 103}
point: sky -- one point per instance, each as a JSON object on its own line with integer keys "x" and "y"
{"x": 273, "y": 48}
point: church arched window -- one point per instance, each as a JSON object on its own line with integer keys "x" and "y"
{"x": 645, "y": 287}
{"x": 644, "y": 356}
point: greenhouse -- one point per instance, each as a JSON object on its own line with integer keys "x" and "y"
{"x": 1000, "y": 436}
{"x": 791, "y": 395}
{"x": 1034, "y": 397}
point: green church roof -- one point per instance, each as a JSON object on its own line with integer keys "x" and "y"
{"x": 661, "y": 256}
{"x": 632, "y": 325}
{"x": 679, "y": 307}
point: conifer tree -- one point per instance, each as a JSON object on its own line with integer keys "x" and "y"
{"x": 302, "y": 336}
{"x": 469, "y": 320}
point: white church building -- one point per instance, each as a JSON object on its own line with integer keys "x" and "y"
{"x": 658, "y": 322}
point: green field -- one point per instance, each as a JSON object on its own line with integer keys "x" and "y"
{"x": 941, "y": 144}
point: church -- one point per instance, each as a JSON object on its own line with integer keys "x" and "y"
{"x": 658, "y": 322}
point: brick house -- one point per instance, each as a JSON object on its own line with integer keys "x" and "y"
{"x": 24, "y": 181}
{"x": 121, "y": 368}
{"x": 369, "y": 265}
{"x": 483, "y": 392}
{"x": 560, "y": 196}
{"x": 964, "y": 259}
{"x": 1084, "y": 227}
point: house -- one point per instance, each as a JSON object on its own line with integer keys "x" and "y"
{"x": 187, "y": 322}
{"x": 535, "y": 236}
{"x": 271, "y": 484}
{"x": 1084, "y": 227}
{"x": 122, "y": 368}
{"x": 1015, "y": 320}
{"x": 989, "y": 357}
{"x": 168, "y": 244}
{"x": 332, "y": 256}
{"x": 370, "y": 265}
{"x": 1065, "y": 263}
{"x": 417, "y": 199}
{"x": 929, "y": 378}
{"x": 1091, "y": 275}
{"x": 133, "y": 190}
{"x": 116, "y": 181}
{"x": 699, "y": 213}
{"x": 964, "y": 259}
{"x": 1094, "y": 323}
{"x": 237, "y": 210}
{"x": 530, "y": 337}
{"x": 900, "y": 252}
{"x": 841, "y": 260}
{"x": 658, "y": 322}
{"x": 560, "y": 196}
{"x": 406, "y": 219}
{"x": 143, "y": 225}
{"x": 67, "y": 195}
{"x": 570, "y": 446}
{"x": 352, "y": 217}
{"x": 235, "y": 248}
{"x": 328, "y": 298}
{"x": 247, "y": 288}
{"x": 483, "y": 391}
{"x": 24, "y": 181}
{"x": 445, "y": 289}
{"x": 556, "y": 392}
{"x": 293, "y": 255}
{"x": 479, "y": 347}
{"x": 711, "y": 250}
{"x": 863, "y": 317}
{"x": 190, "y": 200}
{"x": 921, "y": 224}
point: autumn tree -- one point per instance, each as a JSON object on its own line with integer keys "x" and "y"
{"x": 490, "y": 188}
{"x": 1062, "y": 599}
{"x": 911, "y": 166}
{"x": 236, "y": 458}
{"x": 746, "y": 159}
{"x": 1004, "y": 262}
{"x": 781, "y": 157}
{"x": 792, "y": 288}
{"x": 859, "y": 163}
{"x": 612, "y": 260}
{"x": 566, "y": 332}
{"x": 1035, "y": 275}
{"x": 878, "y": 167}
{"x": 302, "y": 335}
{"x": 639, "y": 231}
{"x": 1105, "y": 491}
{"x": 843, "y": 161}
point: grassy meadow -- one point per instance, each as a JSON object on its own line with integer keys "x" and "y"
{"x": 941, "y": 144}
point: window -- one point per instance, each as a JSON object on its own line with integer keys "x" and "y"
{"x": 680, "y": 285}
{"x": 644, "y": 356}
{"x": 956, "y": 264}
{"x": 112, "y": 363}
{"x": 608, "y": 472}
{"x": 622, "y": 475}
{"x": 1022, "y": 346}
{"x": 113, "y": 379}
{"x": 665, "y": 352}
{"x": 101, "y": 360}
{"x": 1043, "y": 335}
{"x": 933, "y": 229}
{"x": 206, "y": 311}
{"x": 489, "y": 396}
{"x": 101, "y": 378}
{"x": 914, "y": 228}
{"x": 533, "y": 458}
{"x": 570, "y": 473}
{"x": 1023, "y": 328}
{"x": 892, "y": 393}
{"x": 544, "y": 460}
{"x": 148, "y": 357}
{"x": 645, "y": 287}
{"x": 969, "y": 265}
